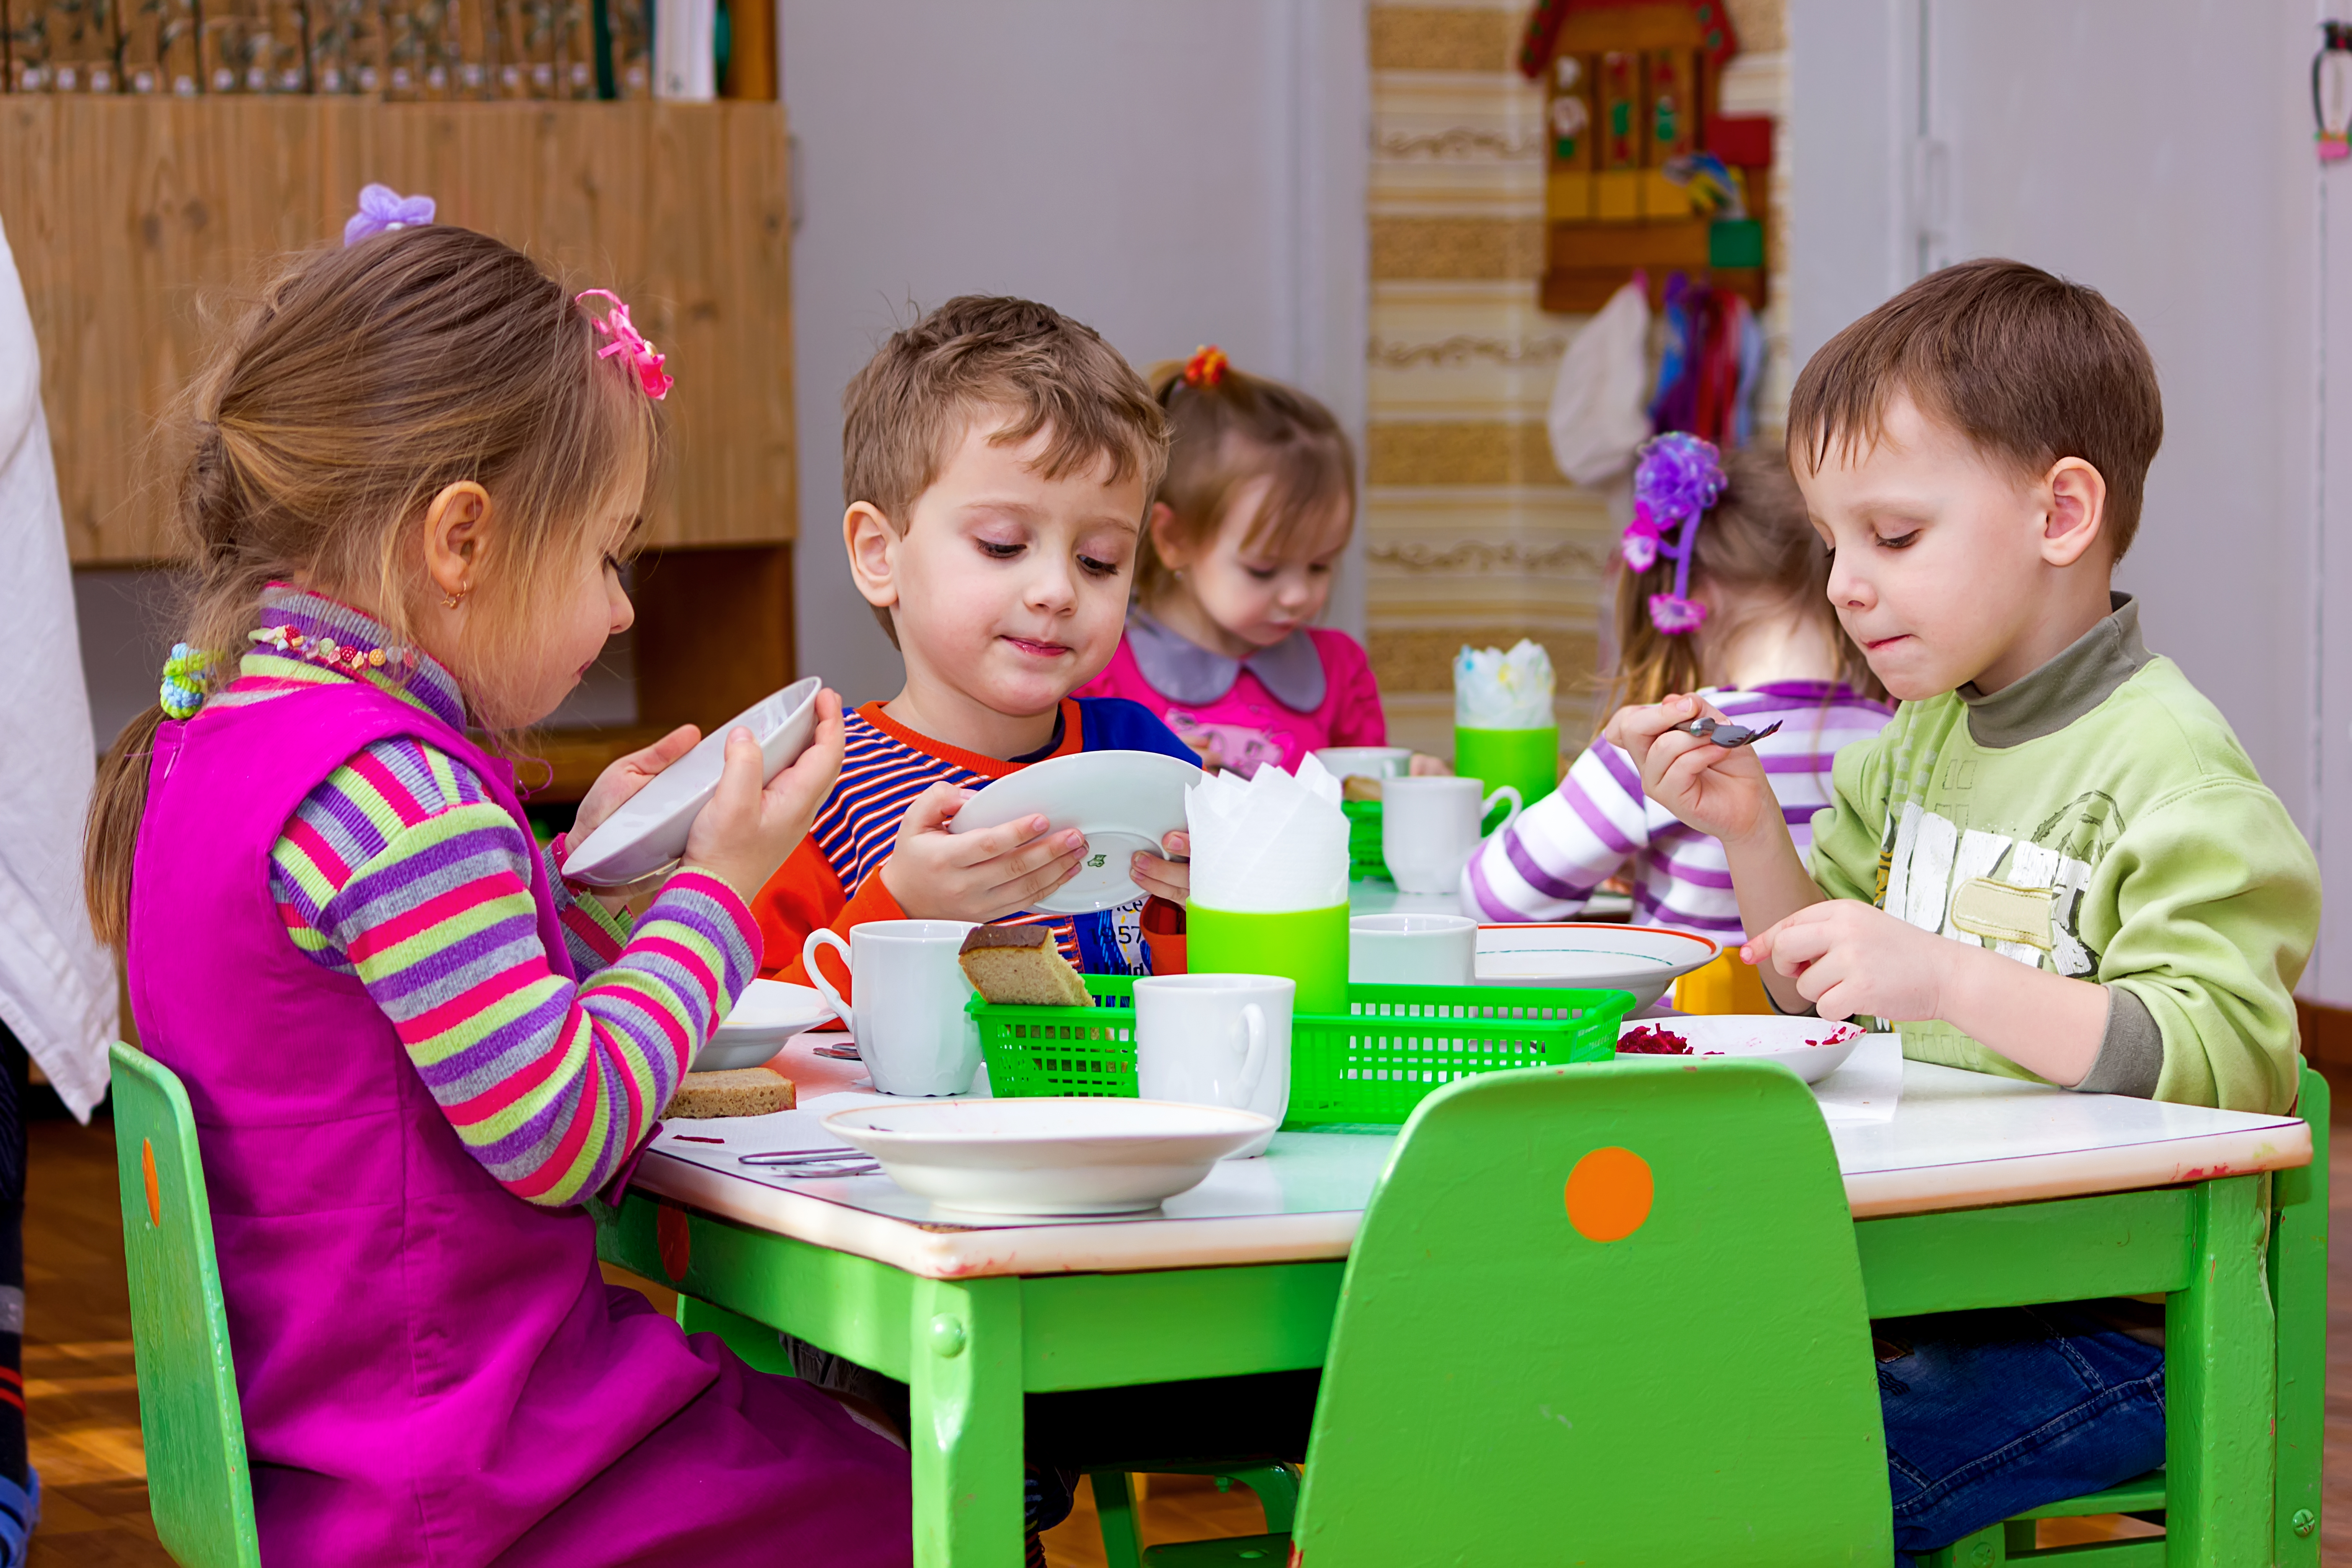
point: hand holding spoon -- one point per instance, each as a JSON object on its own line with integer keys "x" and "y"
{"x": 1727, "y": 735}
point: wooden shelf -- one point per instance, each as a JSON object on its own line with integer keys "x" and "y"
{"x": 127, "y": 213}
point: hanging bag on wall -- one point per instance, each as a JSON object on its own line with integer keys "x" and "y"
{"x": 1597, "y": 416}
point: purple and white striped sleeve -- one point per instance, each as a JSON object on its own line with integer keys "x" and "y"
{"x": 1546, "y": 864}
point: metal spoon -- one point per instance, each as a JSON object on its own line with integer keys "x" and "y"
{"x": 1727, "y": 735}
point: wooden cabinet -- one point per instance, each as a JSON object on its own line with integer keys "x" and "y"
{"x": 130, "y": 216}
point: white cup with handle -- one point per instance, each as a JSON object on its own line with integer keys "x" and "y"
{"x": 1429, "y": 828}
{"x": 909, "y": 1018}
{"x": 1216, "y": 1039}
{"x": 1413, "y": 950}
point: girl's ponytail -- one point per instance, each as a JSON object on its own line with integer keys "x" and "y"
{"x": 116, "y": 805}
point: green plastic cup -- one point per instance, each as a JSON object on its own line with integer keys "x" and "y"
{"x": 1309, "y": 946}
{"x": 1526, "y": 760}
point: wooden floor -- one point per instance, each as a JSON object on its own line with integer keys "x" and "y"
{"x": 84, "y": 1408}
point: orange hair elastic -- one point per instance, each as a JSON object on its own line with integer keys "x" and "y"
{"x": 1206, "y": 368}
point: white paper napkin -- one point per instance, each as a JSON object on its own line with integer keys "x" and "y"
{"x": 1269, "y": 843}
{"x": 1498, "y": 691}
{"x": 1868, "y": 1084}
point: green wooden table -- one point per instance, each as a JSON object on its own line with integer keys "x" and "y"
{"x": 1981, "y": 1192}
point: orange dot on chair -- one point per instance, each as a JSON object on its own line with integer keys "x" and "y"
{"x": 1608, "y": 1195}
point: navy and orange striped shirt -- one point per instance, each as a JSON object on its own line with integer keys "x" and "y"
{"x": 832, "y": 881}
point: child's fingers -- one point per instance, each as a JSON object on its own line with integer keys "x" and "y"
{"x": 1024, "y": 891}
{"x": 739, "y": 780}
{"x": 810, "y": 777}
{"x": 651, "y": 760}
{"x": 934, "y": 809}
{"x": 1177, "y": 846}
{"x": 1169, "y": 880}
{"x": 1018, "y": 863}
{"x": 984, "y": 845}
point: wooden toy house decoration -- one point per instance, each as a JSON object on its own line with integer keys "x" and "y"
{"x": 1641, "y": 172}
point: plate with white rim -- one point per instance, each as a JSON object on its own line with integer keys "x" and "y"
{"x": 769, "y": 1013}
{"x": 649, "y": 830}
{"x": 1813, "y": 1049}
{"x": 1591, "y": 955}
{"x": 1050, "y": 1156}
{"x": 1123, "y": 801}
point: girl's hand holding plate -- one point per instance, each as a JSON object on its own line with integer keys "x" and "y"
{"x": 1170, "y": 878}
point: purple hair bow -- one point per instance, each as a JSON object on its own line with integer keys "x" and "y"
{"x": 1679, "y": 478}
{"x": 383, "y": 209}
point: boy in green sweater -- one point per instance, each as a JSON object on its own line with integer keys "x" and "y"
{"x": 2056, "y": 862}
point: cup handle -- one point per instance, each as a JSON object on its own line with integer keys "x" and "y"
{"x": 821, "y": 938}
{"x": 1253, "y": 1061}
{"x": 1518, "y": 803}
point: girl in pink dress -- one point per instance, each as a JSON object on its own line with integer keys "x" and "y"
{"x": 413, "y": 1052}
{"x": 1237, "y": 562}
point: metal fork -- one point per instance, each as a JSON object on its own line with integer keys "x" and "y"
{"x": 1727, "y": 735}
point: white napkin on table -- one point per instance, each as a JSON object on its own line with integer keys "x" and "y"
{"x": 1498, "y": 691}
{"x": 1269, "y": 843}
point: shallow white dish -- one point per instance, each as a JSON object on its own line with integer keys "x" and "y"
{"x": 1366, "y": 761}
{"x": 1123, "y": 801}
{"x": 1595, "y": 954}
{"x": 649, "y": 830}
{"x": 1046, "y": 1157}
{"x": 1813, "y": 1049}
{"x": 769, "y": 1013}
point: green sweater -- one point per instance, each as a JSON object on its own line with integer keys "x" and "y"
{"x": 2099, "y": 819}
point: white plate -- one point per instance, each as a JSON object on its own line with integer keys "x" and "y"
{"x": 1643, "y": 960}
{"x": 1047, "y": 1156}
{"x": 1123, "y": 801}
{"x": 1366, "y": 761}
{"x": 649, "y": 830}
{"x": 1813, "y": 1049}
{"x": 769, "y": 1013}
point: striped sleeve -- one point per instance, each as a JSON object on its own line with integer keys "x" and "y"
{"x": 1548, "y": 863}
{"x": 425, "y": 895}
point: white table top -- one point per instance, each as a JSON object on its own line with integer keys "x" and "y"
{"x": 1375, "y": 897}
{"x": 1959, "y": 1140}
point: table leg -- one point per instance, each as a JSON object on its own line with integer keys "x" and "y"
{"x": 2219, "y": 1386}
{"x": 967, "y": 1428}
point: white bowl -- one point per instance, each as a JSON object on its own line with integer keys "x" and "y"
{"x": 1123, "y": 801}
{"x": 1813, "y": 1049}
{"x": 769, "y": 1013}
{"x": 1591, "y": 954}
{"x": 1047, "y": 1157}
{"x": 1366, "y": 761}
{"x": 648, "y": 832}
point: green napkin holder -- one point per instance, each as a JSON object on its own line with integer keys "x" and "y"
{"x": 1309, "y": 946}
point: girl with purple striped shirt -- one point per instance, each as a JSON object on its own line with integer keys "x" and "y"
{"x": 1726, "y": 594}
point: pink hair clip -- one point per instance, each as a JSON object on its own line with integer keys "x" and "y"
{"x": 630, "y": 343}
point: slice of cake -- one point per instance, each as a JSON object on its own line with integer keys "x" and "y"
{"x": 737, "y": 1091}
{"x": 1019, "y": 966}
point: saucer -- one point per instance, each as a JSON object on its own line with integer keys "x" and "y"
{"x": 1594, "y": 954}
{"x": 769, "y": 1013}
{"x": 648, "y": 832}
{"x": 1123, "y": 801}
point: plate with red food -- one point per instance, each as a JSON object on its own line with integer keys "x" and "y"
{"x": 1813, "y": 1049}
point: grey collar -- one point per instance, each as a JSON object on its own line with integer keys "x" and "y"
{"x": 1182, "y": 671}
{"x": 2078, "y": 681}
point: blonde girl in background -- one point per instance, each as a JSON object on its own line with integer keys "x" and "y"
{"x": 413, "y": 469}
{"x": 1241, "y": 543}
{"x": 1724, "y": 593}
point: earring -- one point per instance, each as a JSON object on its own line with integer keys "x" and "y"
{"x": 451, "y": 601}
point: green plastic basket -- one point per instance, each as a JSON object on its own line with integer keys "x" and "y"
{"x": 1395, "y": 1045}
{"x": 1364, "y": 856}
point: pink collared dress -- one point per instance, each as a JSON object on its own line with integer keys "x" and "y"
{"x": 1314, "y": 689}
{"x": 430, "y": 1368}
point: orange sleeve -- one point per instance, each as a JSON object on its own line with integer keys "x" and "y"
{"x": 805, "y": 895}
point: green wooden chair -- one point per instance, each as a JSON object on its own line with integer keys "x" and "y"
{"x": 1609, "y": 1314}
{"x": 198, "y": 1486}
{"x": 2297, "y": 1267}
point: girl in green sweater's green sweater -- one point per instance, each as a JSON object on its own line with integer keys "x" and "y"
{"x": 2056, "y": 861}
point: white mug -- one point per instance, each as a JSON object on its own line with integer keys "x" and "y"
{"x": 1216, "y": 1039}
{"x": 1413, "y": 950}
{"x": 909, "y": 1019}
{"x": 1429, "y": 828}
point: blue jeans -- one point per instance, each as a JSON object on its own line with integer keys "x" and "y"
{"x": 1991, "y": 1413}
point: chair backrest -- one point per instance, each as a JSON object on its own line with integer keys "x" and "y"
{"x": 198, "y": 1486}
{"x": 1609, "y": 1314}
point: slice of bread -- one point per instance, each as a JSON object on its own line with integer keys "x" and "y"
{"x": 739, "y": 1092}
{"x": 1355, "y": 786}
{"x": 1019, "y": 966}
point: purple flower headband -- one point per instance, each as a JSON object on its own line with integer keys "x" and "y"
{"x": 383, "y": 209}
{"x": 630, "y": 343}
{"x": 1679, "y": 478}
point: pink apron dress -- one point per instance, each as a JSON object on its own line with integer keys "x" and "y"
{"x": 431, "y": 1369}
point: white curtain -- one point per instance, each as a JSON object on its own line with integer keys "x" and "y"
{"x": 57, "y": 984}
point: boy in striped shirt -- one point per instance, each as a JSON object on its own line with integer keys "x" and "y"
{"x": 998, "y": 457}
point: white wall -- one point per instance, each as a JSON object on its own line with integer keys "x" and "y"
{"x": 1171, "y": 174}
{"x": 2160, "y": 150}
